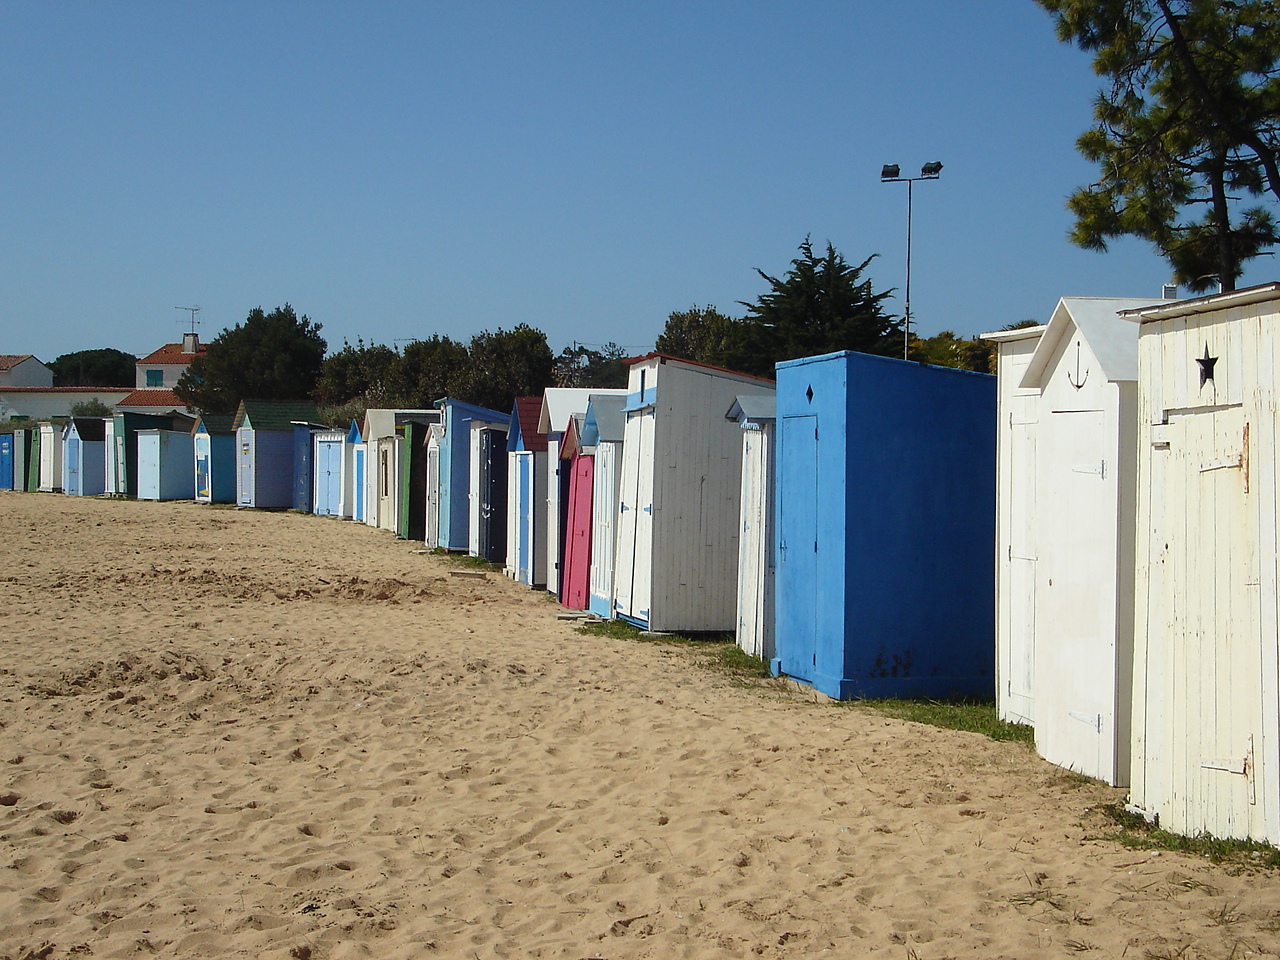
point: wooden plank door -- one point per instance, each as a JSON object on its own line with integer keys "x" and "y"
{"x": 577, "y": 554}
{"x": 633, "y": 553}
{"x": 797, "y": 573}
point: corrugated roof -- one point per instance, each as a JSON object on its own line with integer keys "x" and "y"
{"x": 274, "y": 414}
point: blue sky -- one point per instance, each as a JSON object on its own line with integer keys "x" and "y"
{"x": 400, "y": 169}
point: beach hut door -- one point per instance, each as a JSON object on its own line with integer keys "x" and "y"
{"x": 244, "y": 438}
{"x": 797, "y": 576}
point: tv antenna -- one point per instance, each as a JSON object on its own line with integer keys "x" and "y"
{"x": 193, "y": 311}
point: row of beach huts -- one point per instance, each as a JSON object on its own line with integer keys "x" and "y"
{"x": 841, "y": 521}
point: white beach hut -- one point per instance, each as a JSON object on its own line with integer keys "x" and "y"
{"x": 756, "y": 416}
{"x": 603, "y": 430}
{"x": 1206, "y": 691}
{"x": 676, "y": 561}
{"x": 1018, "y": 412}
{"x": 1085, "y": 368}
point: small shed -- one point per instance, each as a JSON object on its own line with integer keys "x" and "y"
{"x": 886, "y": 519}
{"x": 166, "y": 465}
{"x": 33, "y": 460}
{"x": 329, "y": 452}
{"x": 602, "y": 432}
{"x": 84, "y": 457}
{"x": 265, "y": 451}
{"x": 411, "y": 516}
{"x": 527, "y": 495}
{"x": 1206, "y": 685}
{"x": 51, "y": 457}
{"x": 21, "y": 457}
{"x": 487, "y": 499}
{"x": 756, "y": 415}
{"x": 453, "y": 492}
{"x": 122, "y": 449}
{"x": 1018, "y": 412}
{"x": 579, "y": 462}
{"x": 558, "y": 404}
{"x": 384, "y": 440}
{"x": 6, "y": 461}
{"x": 351, "y": 499}
{"x": 1085, "y": 370}
{"x": 213, "y": 441}
{"x": 676, "y": 565}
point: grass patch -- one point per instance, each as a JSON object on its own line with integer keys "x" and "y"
{"x": 716, "y": 651}
{"x": 975, "y": 716}
{"x": 1133, "y": 831}
{"x": 465, "y": 561}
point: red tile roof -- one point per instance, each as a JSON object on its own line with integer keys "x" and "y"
{"x": 10, "y": 360}
{"x": 171, "y": 353}
{"x": 529, "y": 411}
{"x": 152, "y": 398}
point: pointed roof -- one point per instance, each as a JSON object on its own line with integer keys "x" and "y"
{"x": 669, "y": 358}
{"x": 88, "y": 428}
{"x": 558, "y": 403}
{"x": 1112, "y": 339}
{"x": 605, "y": 421}
{"x": 171, "y": 353}
{"x": 274, "y": 414}
{"x": 571, "y": 442}
{"x": 215, "y": 424}
{"x": 524, "y": 434}
{"x": 10, "y": 360}
{"x": 753, "y": 408}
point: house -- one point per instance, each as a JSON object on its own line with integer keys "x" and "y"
{"x": 558, "y": 404}
{"x": 1206, "y": 683}
{"x": 84, "y": 457}
{"x": 527, "y": 495}
{"x": 23, "y": 370}
{"x": 1085, "y": 371}
{"x": 885, "y": 524}
{"x": 44, "y": 403}
{"x": 163, "y": 368}
{"x": 1018, "y": 411}
{"x": 602, "y": 432}
{"x": 676, "y": 560}
{"x": 214, "y": 449}
{"x": 756, "y": 415}
{"x": 453, "y": 497}
{"x": 264, "y": 451}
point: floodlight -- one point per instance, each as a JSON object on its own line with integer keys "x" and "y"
{"x": 889, "y": 172}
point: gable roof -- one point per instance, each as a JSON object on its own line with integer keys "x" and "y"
{"x": 273, "y": 414}
{"x": 524, "y": 416}
{"x": 10, "y": 360}
{"x": 753, "y": 408}
{"x": 171, "y": 353}
{"x": 1112, "y": 339}
{"x": 215, "y": 423}
{"x": 669, "y": 358}
{"x": 88, "y": 428}
{"x": 558, "y": 403}
{"x": 605, "y": 421}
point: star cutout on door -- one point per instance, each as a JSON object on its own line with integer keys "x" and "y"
{"x": 1206, "y": 366}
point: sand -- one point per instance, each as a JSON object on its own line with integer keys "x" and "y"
{"x": 238, "y": 734}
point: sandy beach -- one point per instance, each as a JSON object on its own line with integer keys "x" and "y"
{"x": 238, "y": 734}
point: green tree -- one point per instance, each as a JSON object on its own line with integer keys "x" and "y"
{"x": 706, "y": 335}
{"x": 270, "y": 356}
{"x": 429, "y": 370}
{"x": 371, "y": 374}
{"x": 504, "y": 365}
{"x": 948, "y": 349}
{"x": 91, "y": 408}
{"x": 822, "y": 305}
{"x": 1187, "y": 129}
{"x": 95, "y": 368}
{"x": 579, "y": 366}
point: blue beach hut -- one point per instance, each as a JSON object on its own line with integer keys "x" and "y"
{"x": 885, "y": 584}
{"x": 264, "y": 451}
{"x": 6, "y": 461}
{"x": 166, "y": 465}
{"x": 329, "y": 451}
{"x": 214, "y": 444}
{"x": 353, "y": 478}
{"x": 454, "y": 502}
{"x": 84, "y": 457}
{"x": 123, "y": 449}
{"x": 527, "y": 495}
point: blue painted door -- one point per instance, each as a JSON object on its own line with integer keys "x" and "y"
{"x": 6, "y": 461}
{"x": 328, "y": 476}
{"x": 524, "y": 518}
{"x": 797, "y": 572}
{"x": 357, "y": 506}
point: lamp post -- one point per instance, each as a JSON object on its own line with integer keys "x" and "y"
{"x": 890, "y": 173}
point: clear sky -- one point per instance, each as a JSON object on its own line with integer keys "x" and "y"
{"x": 398, "y": 169}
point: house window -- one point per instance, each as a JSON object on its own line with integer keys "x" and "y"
{"x": 155, "y": 378}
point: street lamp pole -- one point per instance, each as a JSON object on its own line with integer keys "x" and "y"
{"x": 890, "y": 174}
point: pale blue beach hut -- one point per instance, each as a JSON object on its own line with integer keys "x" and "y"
{"x": 84, "y": 457}
{"x": 453, "y": 532}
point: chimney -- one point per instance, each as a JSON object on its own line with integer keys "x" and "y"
{"x": 191, "y": 343}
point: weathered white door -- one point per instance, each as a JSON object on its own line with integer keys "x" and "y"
{"x": 633, "y": 554}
